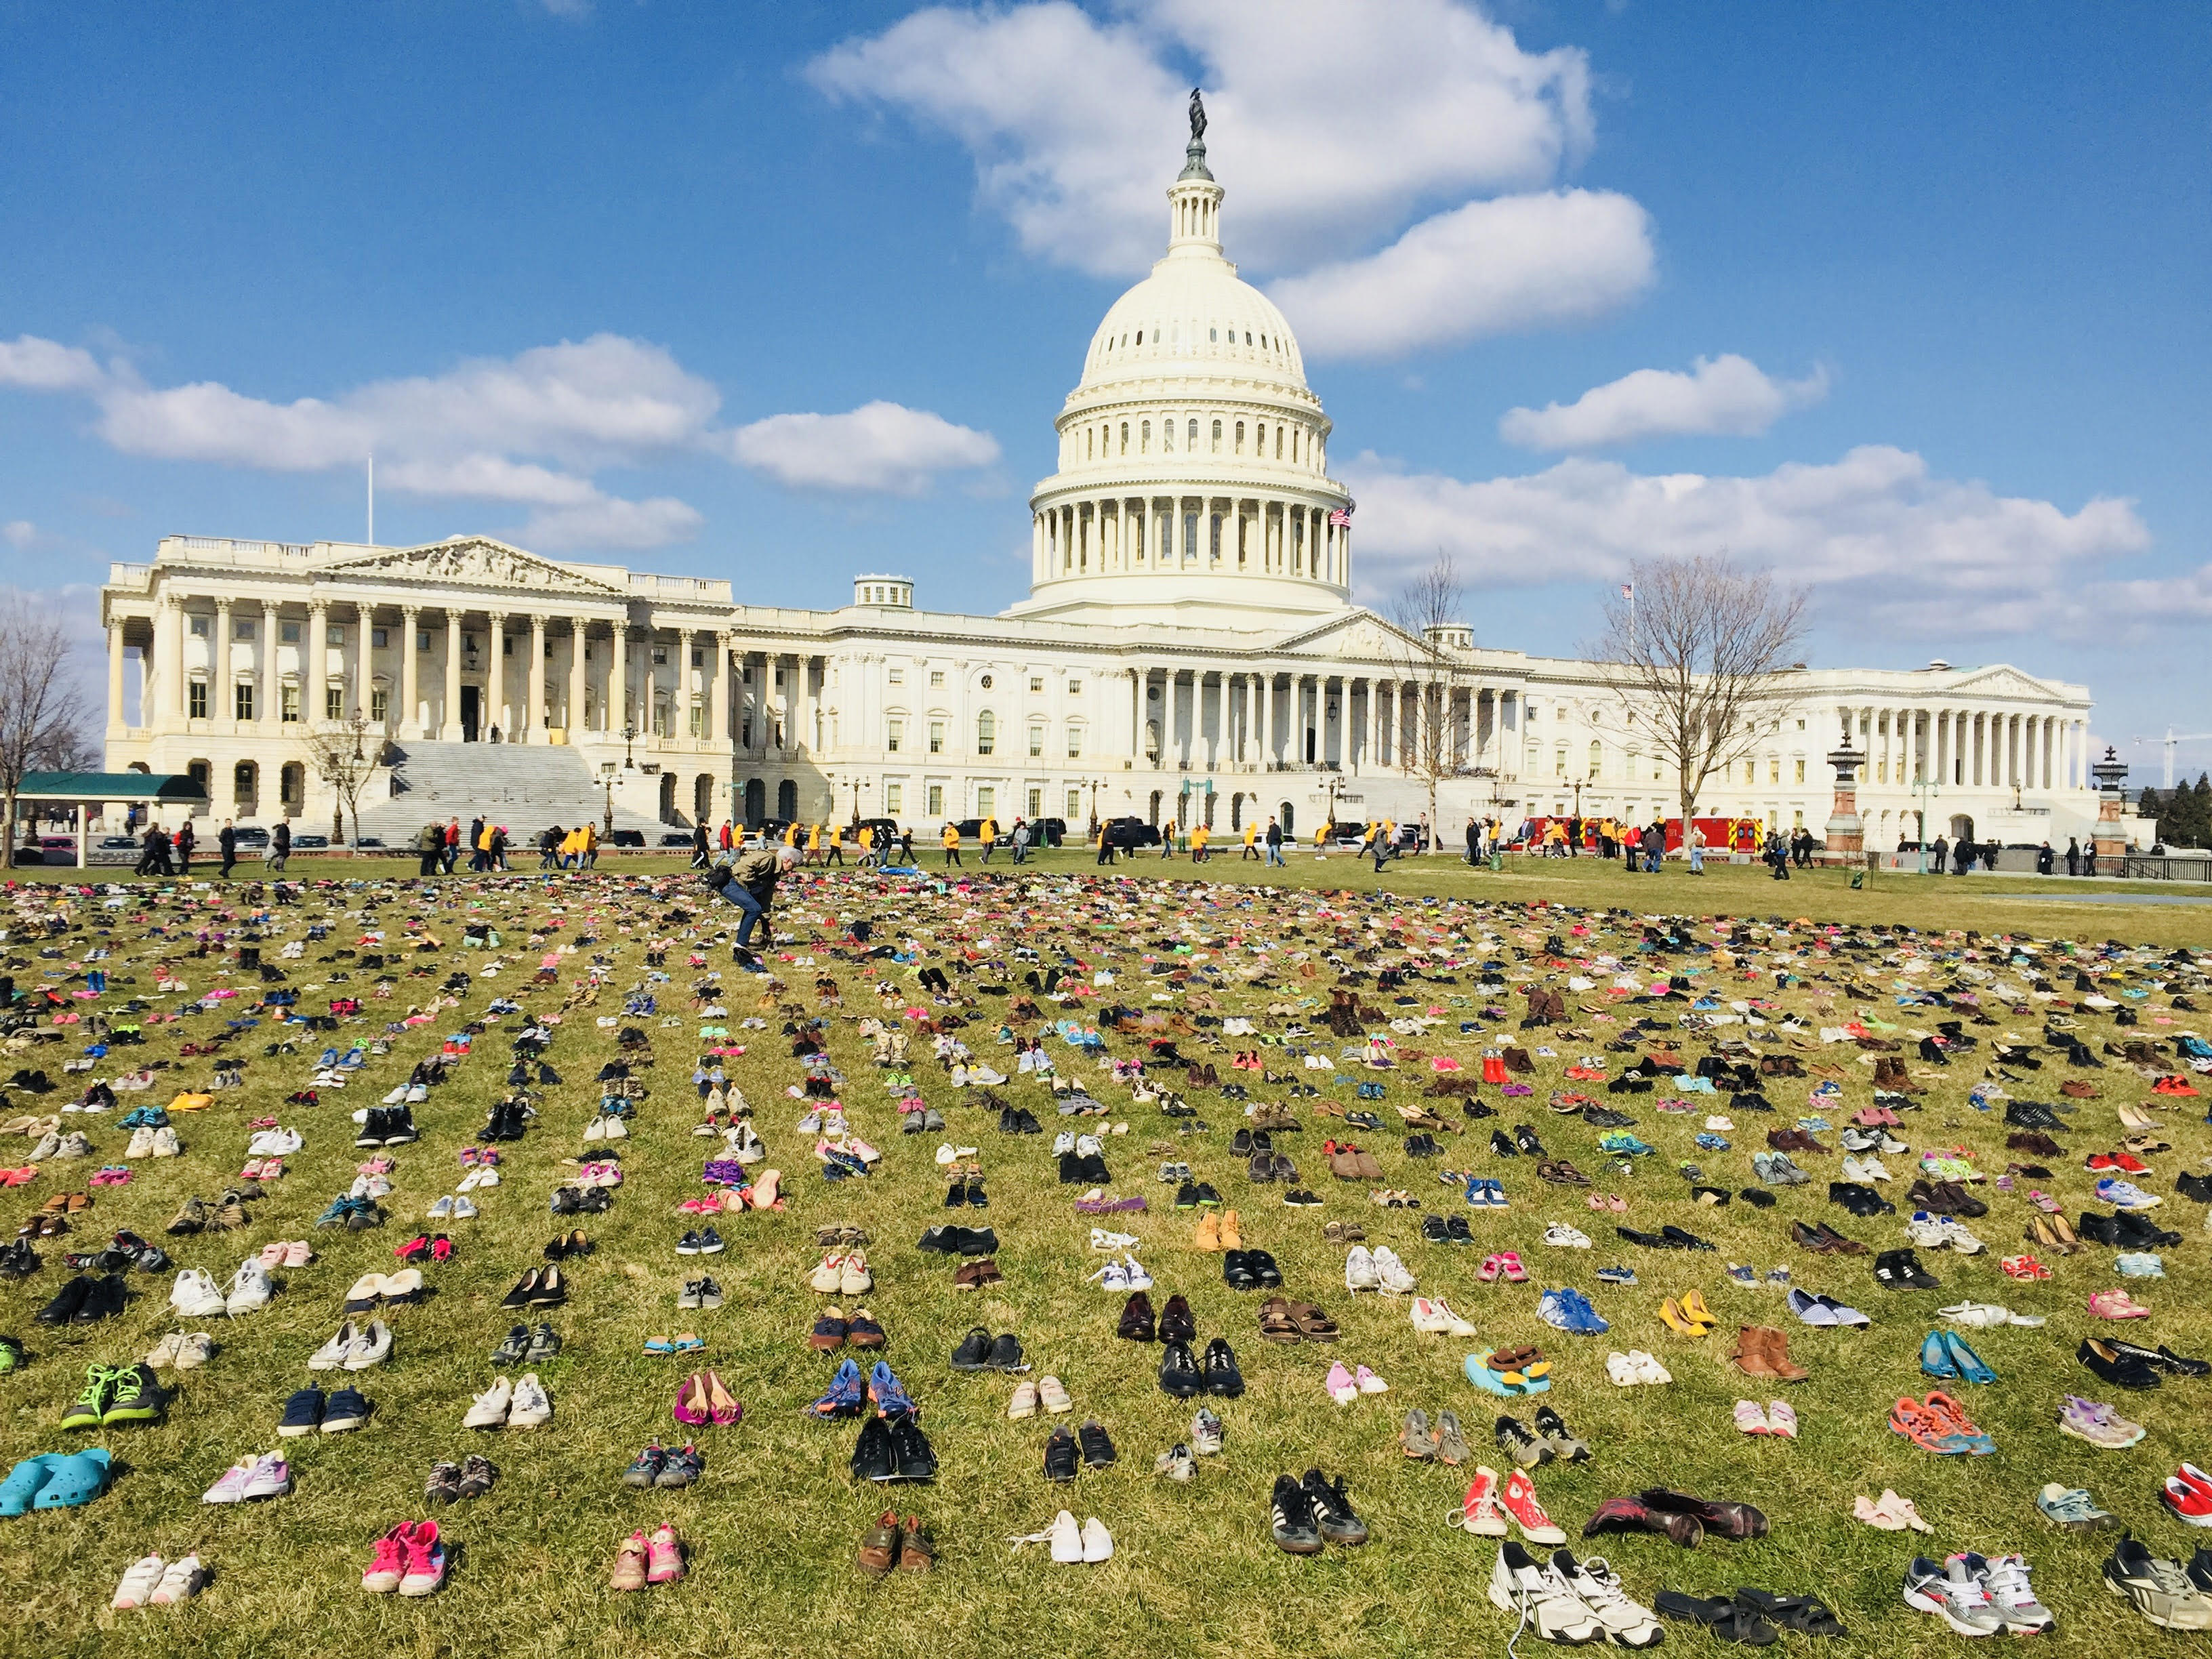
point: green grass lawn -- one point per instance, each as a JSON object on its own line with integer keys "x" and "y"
{"x": 772, "y": 1526}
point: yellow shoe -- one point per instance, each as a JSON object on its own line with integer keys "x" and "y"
{"x": 1671, "y": 1315}
{"x": 1208, "y": 1235}
{"x": 1694, "y": 1309}
{"x": 1231, "y": 1231}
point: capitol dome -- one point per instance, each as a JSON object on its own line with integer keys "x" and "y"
{"x": 1193, "y": 484}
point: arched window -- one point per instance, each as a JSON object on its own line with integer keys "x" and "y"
{"x": 245, "y": 780}
{"x": 1167, "y": 437}
{"x": 1240, "y": 437}
{"x": 1217, "y": 437}
{"x": 1597, "y": 761}
{"x": 986, "y": 732}
{"x": 1260, "y": 439}
{"x": 1088, "y": 441}
{"x": 1125, "y": 437}
{"x": 1190, "y": 439}
{"x": 1144, "y": 433}
{"x": 1278, "y": 443}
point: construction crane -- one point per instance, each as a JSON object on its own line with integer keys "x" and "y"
{"x": 2168, "y": 741}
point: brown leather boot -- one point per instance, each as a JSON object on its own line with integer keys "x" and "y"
{"x": 1750, "y": 1352}
{"x": 1775, "y": 1350}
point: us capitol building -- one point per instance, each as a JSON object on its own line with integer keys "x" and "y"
{"x": 1190, "y": 649}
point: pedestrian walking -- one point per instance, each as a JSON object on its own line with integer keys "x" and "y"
{"x": 1274, "y": 842}
{"x": 950, "y": 840}
{"x": 280, "y": 847}
{"x": 226, "y": 842}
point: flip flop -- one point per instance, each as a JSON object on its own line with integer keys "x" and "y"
{"x": 1726, "y": 1620}
{"x": 1807, "y": 1614}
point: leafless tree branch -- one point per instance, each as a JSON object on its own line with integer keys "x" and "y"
{"x": 1429, "y": 742}
{"x": 43, "y": 711}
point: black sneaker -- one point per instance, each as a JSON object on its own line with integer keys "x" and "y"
{"x": 1564, "y": 1441}
{"x": 1097, "y": 1449}
{"x": 1180, "y": 1377}
{"x": 372, "y": 1127}
{"x": 1503, "y": 1147}
{"x": 1516, "y": 1440}
{"x": 1525, "y": 1138}
{"x": 872, "y": 1458}
{"x": 303, "y": 1413}
{"x": 688, "y": 1245}
{"x": 105, "y": 1300}
{"x": 545, "y": 1344}
{"x": 1060, "y": 1460}
{"x": 478, "y": 1475}
{"x": 973, "y": 1353}
{"x": 510, "y": 1352}
{"x": 1291, "y": 1518}
{"x": 912, "y": 1457}
{"x": 956, "y": 1196}
{"x": 1435, "y": 1230}
{"x": 1332, "y": 1510}
{"x": 1682, "y": 1241}
{"x": 1222, "y": 1376}
{"x": 710, "y": 1241}
{"x": 1006, "y": 1354}
{"x": 1460, "y": 1232}
{"x": 1263, "y": 1268}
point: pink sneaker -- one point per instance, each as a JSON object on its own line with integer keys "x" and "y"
{"x": 1782, "y": 1418}
{"x": 297, "y": 1253}
{"x": 1341, "y": 1387}
{"x": 388, "y": 1565}
{"x": 426, "y": 1559}
{"x": 2116, "y": 1304}
{"x": 231, "y": 1489}
{"x": 663, "y": 1557}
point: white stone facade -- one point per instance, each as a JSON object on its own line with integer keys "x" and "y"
{"x": 1190, "y": 650}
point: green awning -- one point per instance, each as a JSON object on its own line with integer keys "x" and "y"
{"x": 175, "y": 786}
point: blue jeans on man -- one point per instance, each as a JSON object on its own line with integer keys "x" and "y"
{"x": 751, "y": 910}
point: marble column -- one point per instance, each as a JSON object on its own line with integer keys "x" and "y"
{"x": 531, "y": 726}
{"x": 1268, "y": 720}
{"x": 268, "y": 712}
{"x": 411, "y": 723}
{"x": 718, "y": 731}
{"x": 116, "y": 724}
{"x": 615, "y": 703}
{"x": 358, "y": 690}
{"x": 175, "y": 681}
{"x": 449, "y": 717}
{"x": 572, "y": 716}
{"x": 222, "y": 701}
{"x": 495, "y": 683}
{"x": 313, "y": 664}
{"x": 1172, "y": 736}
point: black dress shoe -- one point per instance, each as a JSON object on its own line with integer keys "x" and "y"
{"x": 103, "y": 1300}
{"x": 1681, "y": 1240}
{"x": 1223, "y": 1377}
{"x": 2108, "y": 1364}
{"x": 1137, "y": 1322}
{"x": 1180, "y": 1376}
{"x": 872, "y": 1456}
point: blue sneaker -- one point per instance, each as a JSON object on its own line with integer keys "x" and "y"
{"x": 1708, "y": 1141}
{"x": 1556, "y": 1309}
{"x": 1589, "y": 1322}
{"x": 1617, "y": 1275}
{"x": 845, "y": 1395}
{"x": 888, "y": 1392}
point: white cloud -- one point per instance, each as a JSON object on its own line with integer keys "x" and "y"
{"x": 19, "y": 533}
{"x": 1726, "y": 395}
{"x": 879, "y": 447}
{"x": 1333, "y": 128}
{"x": 1874, "y": 532}
{"x": 534, "y": 430}
{"x": 1513, "y": 263}
{"x": 36, "y": 365}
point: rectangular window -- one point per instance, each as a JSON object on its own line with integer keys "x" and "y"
{"x": 1559, "y": 763}
{"x": 1773, "y": 770}
{"x": 937, "y": 737}
{"x": 896, "y": 676}
{"x": 986, "y": 801}
{"x": 287, "y": 633}
{"x": 380, "y": 637}
{"x": 241, "y": 631}
{"x": 198, "y": 626}
{"x": 1801, "y": 771}
{"x": 937, "y": 800}
{"x": 698, "y": 659}
{"x": 241, "y": 700}
{"x": 894, "y": 797}
{"x": 1037, "y": 803}
{"x": 196, "y": 699}
{"x": 335, "y": 635}
{"x": 937, "y": 677}
{"x": 507, "y": 645}
{"x": 1075, "y": 688}
{"x": 287, "y": 704}
{"x": 1074, "y": 802}
{"x": 1190, "y": 537}
{"x": 1036, "y": 682}
{"x": 1751, "y": 771}
{"x": 380, "y": 705}
{"x": 422, "y": 641}
{"x": 661, "y": 656}
{"x": 697, "y": 717}
{"x": 893, "y": 733}
{"x": 334, "y": 703}
{"x": 1036, "y": 740}
{"x": 1074, "y": 742}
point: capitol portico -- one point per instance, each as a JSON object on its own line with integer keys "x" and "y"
{"x": 1190, "y": 649}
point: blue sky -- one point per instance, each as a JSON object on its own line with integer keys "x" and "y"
{"x": 1908, "y": 301}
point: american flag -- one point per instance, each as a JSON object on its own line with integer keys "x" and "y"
{"x": 1341, "y": 517}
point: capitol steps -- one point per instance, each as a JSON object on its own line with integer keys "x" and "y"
{"x": 527, "y": 787}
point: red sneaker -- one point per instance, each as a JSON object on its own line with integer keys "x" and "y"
{"x": 1518, "y": 1500}
{"x": 2186, "y": 1501}
{"x": 1479, "y": 1511}
{"x": 426, "y": 1559}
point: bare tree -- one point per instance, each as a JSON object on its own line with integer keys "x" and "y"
{"x": 42, "y": 708}
{"x": 1701, "y": 651}
{"x": 346, "y": 757}
{"x": 1427, "y": 612}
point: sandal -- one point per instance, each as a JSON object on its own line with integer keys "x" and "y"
{"x": 1726, "y": 1619}
{"x": 1807, "y": 1614}
{"x": 1276, "y": 1324}
{"x": 1312, "y": 1324}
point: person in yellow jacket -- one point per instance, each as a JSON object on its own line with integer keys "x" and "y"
{"x": 835, "y": 852}
{"x": 813, "y": 843}
{"x": 1251, "y": 838}
{"x": 571, "y": 848}
{"x": 867, "y": 847}
{"x": 791, "y": 833}
{"x": 951, "y": 842}
{"x": 987, "y": 833}
{"x": 591, "y": 848}
{"x": 1200, "y": 834}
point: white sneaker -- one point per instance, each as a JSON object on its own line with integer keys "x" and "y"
{"x": 1396, "y": 1278}
{"x": 142, "y": 1145}
{"x": 196, "y": 1294}
{"x": 532, "y": 1405}
{"x": 617, "y": 1129}
{"x": 465, "y": 1209}
{"x": 442, "y": 1210}
{"x": 1620, "y": 1370}
{"x": 1097, "y": 1542}
{"x": 1628, "y": 1623}
{"x": 1565, "y": 1238}
{"x": 1112, "y": 1277}
{"x": 1104, "y": 1239}
{"x": 268, "y": 1476}
{"x": 1065, "y": 1537}
{"x": 370, "y": 1346}
{"x": 139, "y": 1579}
{"x": 181, "y": 1580}
{"x": 250, "y": 1288}
{"x": 1359, "y": 1270}
{"x": 1526, "y": 1585}
{"x": 490, "y": 1408}
{"x": 165, "y": 1144}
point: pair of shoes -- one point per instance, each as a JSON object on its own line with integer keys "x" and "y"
{"x": 1444, "y": 1443}
{"x": 1977, "y": 1595}
{"x": 450, "y": 1482}
{"x": 267, "y": 1475}
{"x": 892, "y": 1447}
{"x": 1891, "y": 1513}
{"x": 521, "y": 1403}
{"x": 1073, "y": 1545}
{"x": 1305, "y": 1515}
{"x": 55, "y": 1480}
{"x": 888, "y": 1544}
{"x": 657, "y": 1466}
{"x": 1778, "y": 1419}
{"x": 116, "y": 1394}
{"x": 151, "y": 1581}
{"x": 2073, "y": 1510}
{"x": 2165, "y": 1593}
{"x": 1635, "y": 1367}
{"x": 354, "y": 1349}
{"x": 647, "y": 1558}
{"x": 1092, "y": 1441}
{"x": 410, "y": 1559}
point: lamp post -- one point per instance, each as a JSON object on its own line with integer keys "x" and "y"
{"x": 607, "y": 783}
{"x": 1096, "y": 784}
{"x": 2109, "y": 773}
{"x": 629, "y": 736}
{"x": 1923, "y": 787}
